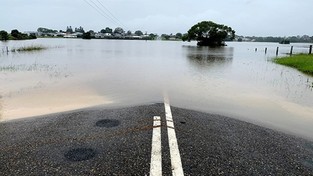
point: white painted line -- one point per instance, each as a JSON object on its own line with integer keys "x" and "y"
{"x": 156, "y": 153}
{"x": 177, "y": 169}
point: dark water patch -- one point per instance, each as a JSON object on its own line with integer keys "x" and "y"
{"x": 309, "y": 146}
{"x": 107, "y": 123}
{"x": 308, "y": 163}
{"x": 80, "y": 154}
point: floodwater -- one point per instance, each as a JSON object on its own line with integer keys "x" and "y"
{"x": 236, "y": 80}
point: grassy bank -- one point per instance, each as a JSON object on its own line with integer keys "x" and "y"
{"x": 28, "y": 48}
{"x": 302, "y": 62}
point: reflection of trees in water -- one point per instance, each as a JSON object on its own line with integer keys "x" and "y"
{"x": 203, "y": 57}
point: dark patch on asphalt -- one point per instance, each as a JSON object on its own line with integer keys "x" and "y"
{"x": 107, "y": 123}
{"x": 80, "y": 154}
{"x": 182, "y": 122}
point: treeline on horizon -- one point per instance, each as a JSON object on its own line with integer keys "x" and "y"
{"x": 122, "y": 34}
{"x": 106, "y": 33}
{"x": 291, "y": 39}
{"x": 15, "y": 35}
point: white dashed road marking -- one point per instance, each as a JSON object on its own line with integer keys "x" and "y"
{"x": 156, "y": 153}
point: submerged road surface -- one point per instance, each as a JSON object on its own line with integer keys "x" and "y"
{"x": 148, "y": 140}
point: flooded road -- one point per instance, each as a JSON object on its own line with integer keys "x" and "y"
{"x": 236, "y": 80}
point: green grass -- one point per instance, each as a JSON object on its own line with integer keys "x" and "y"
{"x": 28, "y": 48}
{"x": 302, "y": 62}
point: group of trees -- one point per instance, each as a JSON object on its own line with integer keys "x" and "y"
{"x": 15, "y": 35}
{"x": 121, "y": 31}
{"x": 106, "y": 30}
{"x": 116, "y": 33}
{"x": 293, "y": 39}
{"x": 45, "y": 30}
{"x": 70, "y": 30}
{"x": 178, "y": 36}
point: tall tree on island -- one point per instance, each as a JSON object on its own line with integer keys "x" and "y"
{"x": 208, "y": 33}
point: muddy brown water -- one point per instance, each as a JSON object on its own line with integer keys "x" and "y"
{"x": 236, "y": 80}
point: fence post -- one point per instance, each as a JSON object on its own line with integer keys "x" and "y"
{"x": 277, "y": 51}
{"x": 310, "y": 51}
{"x": 291, "y": 49}
{"x": 265, "y": 50}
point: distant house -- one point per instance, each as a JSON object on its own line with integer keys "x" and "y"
{"x": 70, "y": 36}
{"x": 102, "y": 35}
{"x": 31, "y": 33}
{"x": 118, "y": 35}
{"x": 73, "y": 35}
{"x": 136, "y": 37}
{"x": 99, "y": 35}
{"x": 60, "y": 34}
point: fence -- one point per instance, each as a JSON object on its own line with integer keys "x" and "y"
{"x": 291, "y": 50}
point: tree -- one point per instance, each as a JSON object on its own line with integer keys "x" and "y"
{"x": 165, "y": 37}
{"x": 179, "y": 35}
{"x": 119, "y": 31}
{"x": 32, "y": 36}
{"x": 108, "y": 30}
{"x": 80, "y": 29}
{"x": 184, "y": 37}
{"x": 87, "y": 35}
{"x": 129, "y": 33}
{"x": 208, "y": 33}
{"x": 139, "y": 33}
{"x": 69, "y": 29}
{"x": 92, "y": 33}
{"x": 4, "y": 35}
{"x": 153, "y": 36}
{"x": 15, "y": 33}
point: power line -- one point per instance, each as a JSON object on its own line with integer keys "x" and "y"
{"x": 111, "y": 13}
{"x": 100, "y": 11}
{"x": 108, "y": 16}
{"x": 96, "y": 10}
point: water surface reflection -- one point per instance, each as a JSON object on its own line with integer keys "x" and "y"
{"x": 205, "y": 57}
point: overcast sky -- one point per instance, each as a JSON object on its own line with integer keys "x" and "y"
{"x": 246, "y": 17}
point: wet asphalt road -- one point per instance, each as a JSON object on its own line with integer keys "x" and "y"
{"x": 118, "y": 142}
